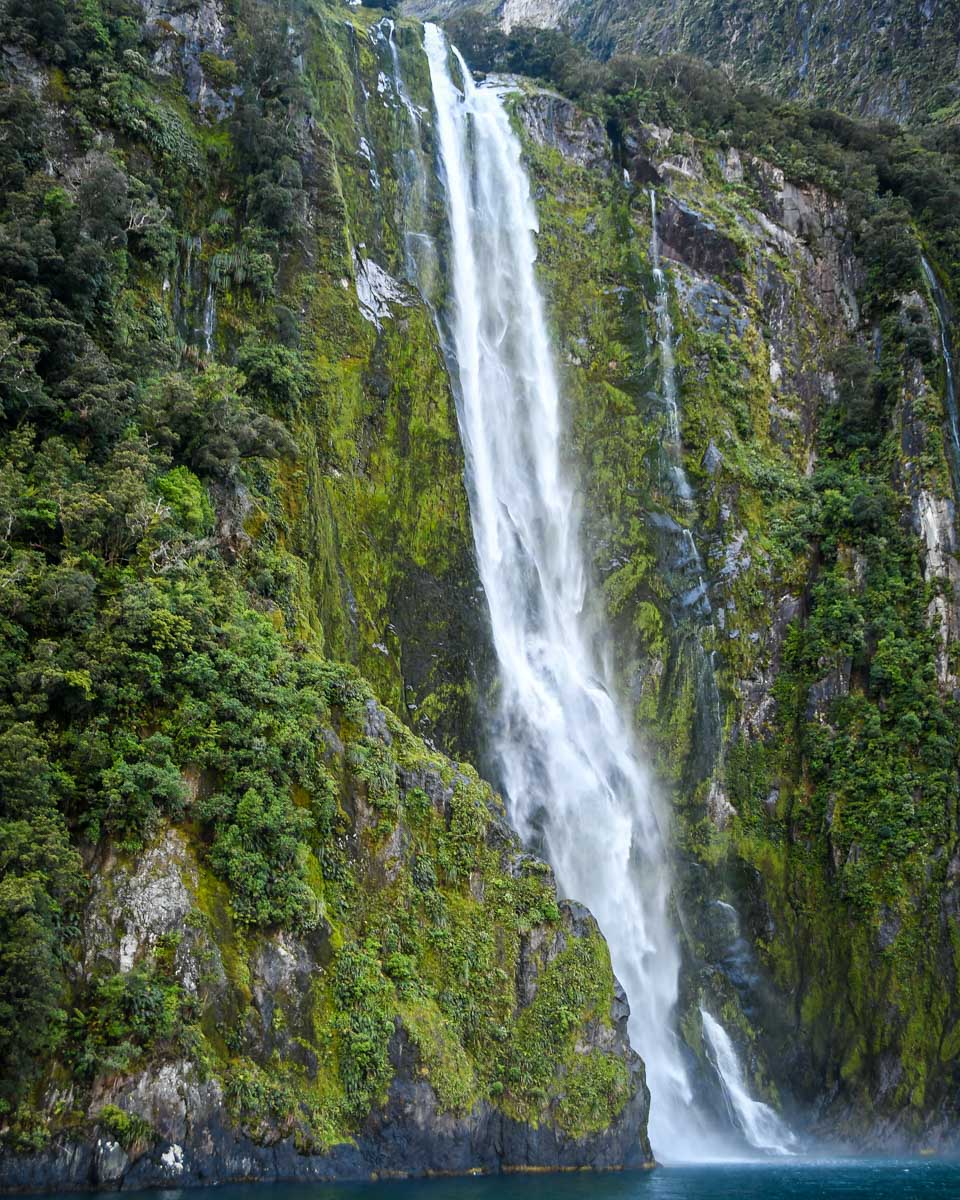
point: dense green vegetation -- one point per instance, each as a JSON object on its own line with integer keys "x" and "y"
{"x": 216, "y": 474}
{"x": 218, "y": 482}
{"x": 898, "y": 62}
{"x": 121, "y": 619}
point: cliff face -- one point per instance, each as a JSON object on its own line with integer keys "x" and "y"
{"x": 252, "y": 926}
{"x": 440, "y": 1010}
{"x": 761, "y": 631}
{"x": 896, "y": 59}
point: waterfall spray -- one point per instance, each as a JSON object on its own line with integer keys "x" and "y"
{"x": 564, "y": 749}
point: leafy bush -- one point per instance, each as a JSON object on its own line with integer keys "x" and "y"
{"x": 188, "y": 498}
{"x": 258, "y": 848}
{"x": 364, "y": 1026}
{"x": 220, "y": 71}
{"x": 40, "y": 883}
{"x": 129, "y": 1129}
{"x": 127, "y": 1015}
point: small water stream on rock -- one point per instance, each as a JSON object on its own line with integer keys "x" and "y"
{"x": 760, "y": 1124}
{"x": 573, "y": 782}
{"x": 945, "y": 317}
{"x": 680, "y": 483}
{"x": 193, "y": 302}
{"x": 679, "y": 555}
{"x": 414, "y": 170}
{"x": 209, "y": 319}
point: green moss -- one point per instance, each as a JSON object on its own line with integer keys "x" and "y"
{"x": 594, "y": 1093}
{"x": 222, "y": 73}
{"x": 576, "y": 988}
{"x": 443, "y": 1063}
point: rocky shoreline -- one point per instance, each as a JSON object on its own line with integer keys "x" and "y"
{"x": 197, "y": 1146}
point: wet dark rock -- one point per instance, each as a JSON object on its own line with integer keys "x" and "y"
{"x": 690, "y": 238}
{"x": 428, "y": 781}
{"x": 713, "y": 306}
{"x": 712, "y": 458}
{"x": 822, "y": 694}
{"x": 552, "y": 120}
{"x": 375, "y": 723}
{"x": 183, "y": 34}
{"x": 232, "y": 505}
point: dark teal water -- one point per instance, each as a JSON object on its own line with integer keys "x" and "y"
{"x": 839, "y": 1179}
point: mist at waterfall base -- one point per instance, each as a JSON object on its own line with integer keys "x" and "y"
{"x": 573, "y": 784}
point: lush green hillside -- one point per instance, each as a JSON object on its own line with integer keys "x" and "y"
{"x": 245, "y": 910}
{"x": 242, "y": 900}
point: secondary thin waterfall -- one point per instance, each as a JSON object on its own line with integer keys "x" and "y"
{"x": 420, "y": 251}
{"x": 678, "y": 475}
{"x": 944, "y": 316}
{"x": 564, "y": 748}
{"x": 760, "y": 1124}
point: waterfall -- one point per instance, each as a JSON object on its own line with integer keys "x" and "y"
{"x": 688, "y": 565}
{"x": 678, "y": 475}
{"x": 193, "y": 303}
{"x": 564, "y": 749}
{"x": 691, "y": 603}
{"x": 945, "y": 316}
{"x": 420, "y": 259}
{"x": 412, "y": 114}
{"x": 760, "y": 1124}
{"x": 209, "y": 319}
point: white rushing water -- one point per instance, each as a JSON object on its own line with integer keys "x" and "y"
{"x": 565, "y": 750}
{"x": 761, "y": 1126}
{"x": 208, "y": 319}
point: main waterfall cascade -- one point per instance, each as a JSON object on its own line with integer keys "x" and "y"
{"x": 564, "y": 751}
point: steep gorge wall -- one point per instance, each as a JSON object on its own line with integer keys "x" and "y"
{"x": 775, "y": 672}
{"x": 818, "y": 897}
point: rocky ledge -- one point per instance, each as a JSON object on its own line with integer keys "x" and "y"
{"x": 441, "y": 1012}
{"x": 409, "y": 1136}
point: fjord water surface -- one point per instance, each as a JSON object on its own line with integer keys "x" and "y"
{"x": 785, "y": 1179}
{"x": 566, "y": 760}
